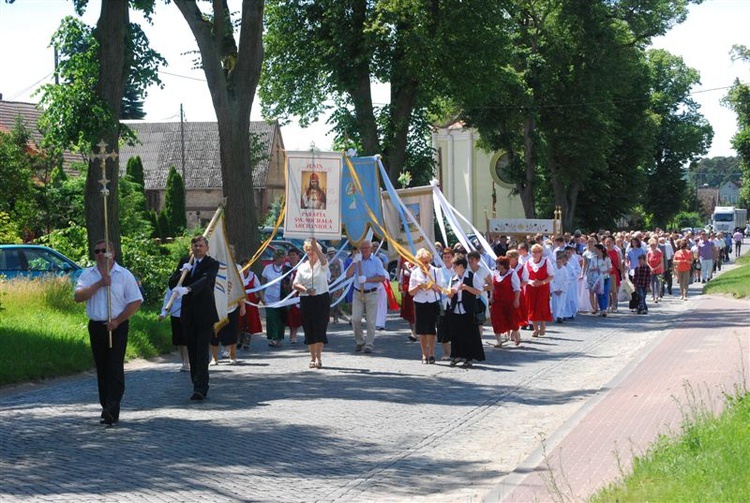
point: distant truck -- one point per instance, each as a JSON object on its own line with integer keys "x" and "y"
{"x": 728, "y": 218}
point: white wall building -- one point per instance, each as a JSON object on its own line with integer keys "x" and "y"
{"x": 468, "y": 176}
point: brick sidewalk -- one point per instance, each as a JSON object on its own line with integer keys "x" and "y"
{"x": 704, "y": 355}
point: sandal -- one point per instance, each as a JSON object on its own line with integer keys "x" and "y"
{"x": 319, "y": 364}
{"x": 312, "y": 364}
{"x": 535, "y": 334}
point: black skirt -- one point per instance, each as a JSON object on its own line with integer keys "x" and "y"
{"x": 229, "y": 333}
{"x": 315, "y": 311}
{"x": 426, "y": 315}
{"x": 466, "y": 341}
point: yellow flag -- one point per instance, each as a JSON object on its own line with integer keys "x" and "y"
{"x": 229, "y": 289}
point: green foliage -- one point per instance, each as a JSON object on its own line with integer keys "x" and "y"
{"x": 71, "y": 241}
{"x": 19, "y": 167}
{"x": 738, "y": 100}
{"x": 9, "y": 231}
{"x": 685, "y": 219}
{"x": 74, "y": 114}
{"x": 151, "y": 263}
{"x": 174, "y": 203}
{"x": 133, "y": 213}
{"x": 65, "y": 202}
{"x": 274, "y": 212}
{"x": 682, "y": 135}
{"x": 135, "y": 170}
{"x": 162, "y": 224}
{"x": 324, "y": 51}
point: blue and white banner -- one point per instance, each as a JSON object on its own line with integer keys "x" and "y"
{"x": 354, "y": 211}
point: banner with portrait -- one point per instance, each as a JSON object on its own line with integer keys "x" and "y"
{"x": 417, "y": 209}
{"x": 313, "y": 189}
{"x": 355, "y": 215}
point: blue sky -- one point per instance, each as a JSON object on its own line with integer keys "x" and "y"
{"x": 26, "y": 62}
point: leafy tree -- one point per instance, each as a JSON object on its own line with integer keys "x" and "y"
{"x": 324, "y": 55}
{"x": 19, "y": 166}
{"x": 162, "y": 220}
{"x": 232, "y": 71}
{"x": 134, "y": 216}
{"x": 174, "y": 204}
{"x": 570, "y": 106}
{"x": 683, "y": 134}
{"x": 135, "y": 170}
{"x": 738, "y": 100}
{"x": 83, "y": 110}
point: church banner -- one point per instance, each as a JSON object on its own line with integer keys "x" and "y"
{"x": 313, "y": 189}
{"x": 418, "y": 201}
{"x": 355, "y": 215}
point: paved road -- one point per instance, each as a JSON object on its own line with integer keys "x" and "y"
{"x": 380, "y": 427}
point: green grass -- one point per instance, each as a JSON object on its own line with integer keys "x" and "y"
{"x": 709, "y": 461}
{"x": 735, "y": 282}
{"x": 43, "y": 332}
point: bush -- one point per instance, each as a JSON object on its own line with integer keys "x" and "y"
{"x": 152, "y": 264}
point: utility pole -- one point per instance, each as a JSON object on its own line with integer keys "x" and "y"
{"x": 182, "y": 140}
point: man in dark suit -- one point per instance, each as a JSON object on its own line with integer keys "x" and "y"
{"x": 198, "y": 310}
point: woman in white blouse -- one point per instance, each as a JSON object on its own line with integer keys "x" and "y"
{"x": 311, "y": 283}
{"x": 424, "y": 288}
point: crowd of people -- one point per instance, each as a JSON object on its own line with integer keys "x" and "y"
{"x": 446, "y": 300}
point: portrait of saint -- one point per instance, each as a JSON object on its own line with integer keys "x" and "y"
{"x": 313, "y": 194}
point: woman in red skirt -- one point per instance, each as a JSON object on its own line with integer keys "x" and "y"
{"x": 537, "y": 274}
{"x": 250, "y": 323}
{"x": 522, "y": 312}
{"x": 506, "y": 293}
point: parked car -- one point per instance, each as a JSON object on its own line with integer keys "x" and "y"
{"x": 34, "y": 261}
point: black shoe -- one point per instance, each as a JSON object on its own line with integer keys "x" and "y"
{"x": 108, "y": 418}
{"x": 412, "y": 338}
{"x": 431, "y": 360}
{"x": 454, "y": 362}
{"x": 197, "y": 395}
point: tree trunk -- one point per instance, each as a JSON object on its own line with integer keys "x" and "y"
{"x": 232, "y": 91}
{"x": 403, "y": 101}
{"x": 358, "y": 86}
{"x": 526, "y": 189}
{"x": 111, "y": 32}
{"x": 565, "y": 197}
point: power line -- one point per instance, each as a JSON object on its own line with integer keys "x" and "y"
{"x": 23, "y": 91}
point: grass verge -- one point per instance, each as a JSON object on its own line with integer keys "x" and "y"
{"x": 707, "y": 462}
{"x": 43, "y": 332}
{"x": 735, "y": 282}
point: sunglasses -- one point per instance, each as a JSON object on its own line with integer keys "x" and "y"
{"x": 97, "y": 251}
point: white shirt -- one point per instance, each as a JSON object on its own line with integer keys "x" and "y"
{"x": 315, "y": 277}
{"x": 478, "y": 283}
{"x": 515, "y": 282}
{"x": 535, "y": 266}
{"x": 270, "y": 273}
{"x": 123, "y": 291}
{"x": 560, "y": 281}
{"x": 418, "y": 277}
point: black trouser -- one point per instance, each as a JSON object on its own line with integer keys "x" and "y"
{"x": 198, "y": 338}
{"x": 110, "y": 366}
{"x": 667, "y": 276}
